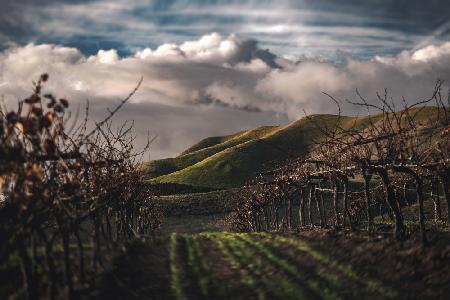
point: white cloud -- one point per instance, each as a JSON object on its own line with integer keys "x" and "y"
{"x": 255, "y": 66}
{"x": 212, "y": 48}
{"x": 202, "y": 77}
{"x": 411, "y": 74}
{"x": 432, "y": 52}
{"x": 164, "y": 51}
{"x": 106, "y": 56}
{"x": 209, "y": 46}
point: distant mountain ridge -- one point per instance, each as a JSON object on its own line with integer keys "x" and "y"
{"x": 232, "y": 160}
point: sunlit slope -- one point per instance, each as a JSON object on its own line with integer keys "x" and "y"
{"x": 203, "y": 150}
{"x": 232, "y": 163}
{"x": 212, "y": 141}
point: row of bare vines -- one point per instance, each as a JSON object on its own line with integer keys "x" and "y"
{"x": 70, "y": 193}
{"x": 360, "y": 168}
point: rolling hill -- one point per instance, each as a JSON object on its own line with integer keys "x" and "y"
{"x": 230, "y": 161}
{"x": 203, "y": 150}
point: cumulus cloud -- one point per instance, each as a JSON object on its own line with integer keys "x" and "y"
{"x": 106, "y": 57}
{"x": 212, "y": 48}
{"x": 178, "y": 85}
{"x": 173, "y": 74}
{"x": 410, "y": 74}
{"x": 216, "y": 84}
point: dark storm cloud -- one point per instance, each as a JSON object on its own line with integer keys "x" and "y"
{"x": 249, "y": 50}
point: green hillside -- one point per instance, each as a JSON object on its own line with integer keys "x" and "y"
{"x": 210, "y": 142}
{"x": 201, "y": 151}
{"x": 243, "y": 156}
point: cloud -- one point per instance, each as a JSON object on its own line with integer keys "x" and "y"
{"x": 287, "y": 27}
{"x": 216, "y": 84}
{"x": 173, "y": 74}
{"x": 174, "y": 100}
{"x": 106, "y": 57}
{"x": 410, "y": 74}
{"x": 209, "y": 48}
{"x": 177, "y": 128}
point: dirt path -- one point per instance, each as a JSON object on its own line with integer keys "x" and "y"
{"x": 313, "y": 265}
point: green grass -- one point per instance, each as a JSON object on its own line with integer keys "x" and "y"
{"x": 323, "y": 287}
{"x": 244, "y": 156}
{"x": 175, "y": 274}
{"x": 271, "y": 266}
{"x": 371, "y": 284}
{"x": 414, "y": 225}
{"x": 201, "y": 151}
{"x": 233, "y": 166}
{"x": 223, "y": 265}
{"x": 260, "y": 276}
{"x": 198, "y": 263}
{"x": 213, "y": 141}
{"x": 230, "y": 256}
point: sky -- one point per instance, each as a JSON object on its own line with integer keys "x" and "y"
{"x": 215, "y": 67}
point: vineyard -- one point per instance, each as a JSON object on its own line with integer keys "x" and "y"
{"x": 363, "y": 215}
{"x": 362, "y": 168}
{"x": 274, "y": 266}
{"x": 70, "y": 195}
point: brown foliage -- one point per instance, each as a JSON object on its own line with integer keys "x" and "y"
{"x": 64, "y": 185}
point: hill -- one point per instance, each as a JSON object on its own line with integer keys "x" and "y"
{"x": 210, "y": 142}
{"x": 202, "y": 150}
{"x": 240, "y": 157}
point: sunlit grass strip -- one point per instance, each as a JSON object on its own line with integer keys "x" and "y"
{"x": 197, "y": 263}
{"x": 371, "y": 284}
{"x": 175, "y": 276}
{"x": 321, "y": 289}
{"x": 246, "y": 279}
{"x": 255, "y": 265}
{"x": 329, "y": 278}
{"x": 278, "y": 285}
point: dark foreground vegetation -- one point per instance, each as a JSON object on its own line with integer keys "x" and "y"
{"x": 70, "y": 196}
{"x": 361, "y": 214}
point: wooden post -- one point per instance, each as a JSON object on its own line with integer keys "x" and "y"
{"x": 311, "y": 195}
{"x": 335, "y": 203}
{"x": 399, "y": 230}
{"x": 367, "y": 178}
{"x": 319, "y": 208}
{"x": 301, "y": 209}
